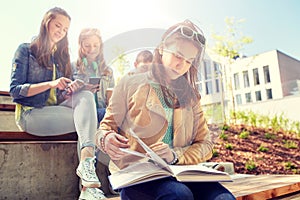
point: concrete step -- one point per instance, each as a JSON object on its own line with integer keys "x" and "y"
{"x": 7, "y": 121}
{"x": 38, "y": 170}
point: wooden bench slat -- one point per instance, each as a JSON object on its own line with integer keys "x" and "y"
{"x": 6, "y": 103}
{"x": 24, "y": 136}
{"x": 7, "y": 107}
{"x": 4, "y": 93}
{"x": 263, "y": 186}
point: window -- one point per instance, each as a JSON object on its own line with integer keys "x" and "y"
{"x": 267, "y": 74}
{"x": 255, "y": 76}
{"x": 208, "y": 87}
{"x": 207, "y": 70}
{"x": 217, "y": 73}
{"x": 217, "y": 69}
{"x": 236, "y": 81}
{"x": 248, "y": 97}
{"x": 269, "y": 94}
{"x": 199, "y": 72}
{"x": 217, "y": 85}
{"x": 246, "y": 79}
{"x": 199, "y": 84}
{"x": 258, "y": 95}
{"x": 238, "y": 98}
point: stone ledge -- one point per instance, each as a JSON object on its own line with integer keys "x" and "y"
{"x": 38, "y": 170}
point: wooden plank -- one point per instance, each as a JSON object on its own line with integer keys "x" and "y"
{"x": 6, "y": 103}
{"x": 113, "y": 198}
{"x": 7, "y": 136}
{"x": 263, "y": 186}
{"x": 292, "y": 196}
{"x": 7, "y": 107}
{"x": 4, "y": 93}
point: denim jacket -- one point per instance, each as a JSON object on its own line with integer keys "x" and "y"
{"x": 27, "y": 71}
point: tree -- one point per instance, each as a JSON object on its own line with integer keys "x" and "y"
{"x": 228, "y": 46}
{"x": 120, "y": 63}
{"x": 232, "y": 42}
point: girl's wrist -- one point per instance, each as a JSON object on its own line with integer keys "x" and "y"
{"x": 49, "y": 84}
{"x": 175, "y": 159}
{"x": 102, "y": 141}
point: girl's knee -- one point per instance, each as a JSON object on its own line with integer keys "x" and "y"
{"x": 85, "y": 96}
{"x": 86, "y": 93}
{"x": 225, "y": 196}
{"x": 181, "y": 192}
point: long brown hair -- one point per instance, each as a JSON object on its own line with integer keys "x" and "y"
{"x": 103, "y": 69}
{"x": 40, "y": 46}
{"x": 182, "y": 91}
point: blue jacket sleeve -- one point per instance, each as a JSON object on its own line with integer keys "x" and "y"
{"x": 20, "y": 65}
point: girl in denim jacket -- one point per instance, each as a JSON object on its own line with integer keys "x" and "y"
{"x": 47, "y": 101}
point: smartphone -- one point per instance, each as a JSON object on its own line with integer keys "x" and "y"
{"x": 68, "y": 91}
{"x": 79, "y": 82}
{"x": 94, "y": 80}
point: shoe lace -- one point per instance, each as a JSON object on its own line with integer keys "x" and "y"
{"x": 90, "y": 165}
{"x": 97, "y": 193}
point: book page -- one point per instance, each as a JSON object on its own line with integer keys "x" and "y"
{"x": 177, "y": 169}
{"x": 151, "y": 153}
{"x": 156, "y": 168}
{"x": 137, "y": 173}
{"x": 135, "y": 153}
{"x": 198, "y": 173}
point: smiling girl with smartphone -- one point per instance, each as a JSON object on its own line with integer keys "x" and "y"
{"x": 41, "y": 75}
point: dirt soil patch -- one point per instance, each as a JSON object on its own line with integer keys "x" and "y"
{"x": 258, "y": 151}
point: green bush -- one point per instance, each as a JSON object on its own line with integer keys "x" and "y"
{"x": 250, "y": 165}
{"x": 244, "y": 135}
{"x": 215, "y": 153}
{"x": 270, "y": 136}
{"x": 289, "y": 165}
{"x": 262, "y": 148}
{"x": 223, "y": 135}
{"x": 289, "y": 144}
{"x": 229, "y": 146}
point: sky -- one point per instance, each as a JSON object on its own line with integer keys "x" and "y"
{"x": 272, "y": 24}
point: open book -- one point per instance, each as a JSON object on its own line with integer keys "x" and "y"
{"x": 155, "y": 167}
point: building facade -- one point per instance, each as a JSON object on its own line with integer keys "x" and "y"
{"x": 268, "y": 76}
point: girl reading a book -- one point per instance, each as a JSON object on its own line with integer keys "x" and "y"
{"x": 162, "y": 107}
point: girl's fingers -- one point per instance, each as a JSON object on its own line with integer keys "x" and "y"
{"x": 114, "y": 153}
{"x": 156, "y": 144}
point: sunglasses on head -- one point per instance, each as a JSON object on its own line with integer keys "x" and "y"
{"x": 188, "y": 33}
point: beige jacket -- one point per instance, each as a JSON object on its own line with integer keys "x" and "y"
{"x": 134, "y": 104}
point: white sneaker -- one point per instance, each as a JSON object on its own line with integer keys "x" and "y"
{"x": 92, "y": 194}
{"x": 87, "y": 172}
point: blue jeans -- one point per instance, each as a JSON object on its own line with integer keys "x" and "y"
{"x": 100, "y": 114}
{"x": 76, "y": 114}
{"x": 171, "y": 189}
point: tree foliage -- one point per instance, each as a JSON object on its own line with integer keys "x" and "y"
{"x": 228, "y": 46}
{"x": 232, "y": 41}
{"x": 120, "y": 64}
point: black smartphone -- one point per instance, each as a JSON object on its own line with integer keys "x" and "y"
{"x": 94, "y": 80}
{"x": 79, "y": 82}
{"x": 68, "y": 90}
